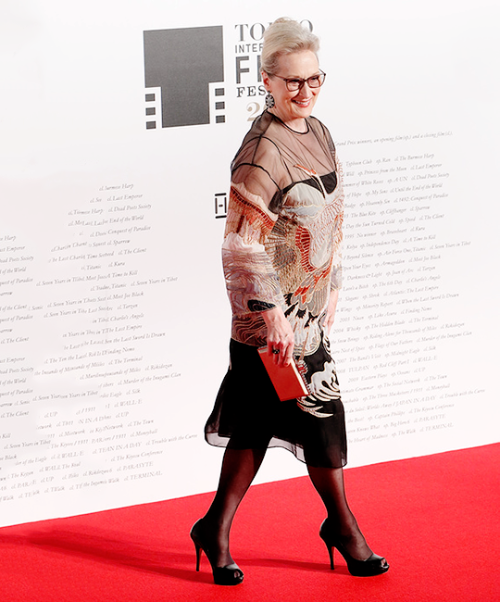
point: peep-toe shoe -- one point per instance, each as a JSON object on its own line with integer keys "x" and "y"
{"x": 230, "y": 574}
{"x": 373, "y": 565}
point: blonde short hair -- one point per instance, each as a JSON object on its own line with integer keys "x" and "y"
{"x": 285, "y": 36}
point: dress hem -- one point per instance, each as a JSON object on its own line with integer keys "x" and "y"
{"x": 217, "y": 440}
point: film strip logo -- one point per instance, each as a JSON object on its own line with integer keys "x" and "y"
{"x": 184, "y": 73}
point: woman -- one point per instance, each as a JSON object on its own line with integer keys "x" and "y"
{"x": 281, "y": 257}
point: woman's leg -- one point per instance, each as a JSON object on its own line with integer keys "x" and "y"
{"x": 239, "y": 468}
{"x": 329, "y": 483}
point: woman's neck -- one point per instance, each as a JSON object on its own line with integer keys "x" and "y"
{"x": 299, "y": 125}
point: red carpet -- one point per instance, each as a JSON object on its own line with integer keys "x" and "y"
{"x": 434, "y": 518}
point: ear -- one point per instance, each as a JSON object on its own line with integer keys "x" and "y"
{"x": 266, "y": 80}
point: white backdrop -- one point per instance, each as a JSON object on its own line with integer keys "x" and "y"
{"x": 114, "y": 322}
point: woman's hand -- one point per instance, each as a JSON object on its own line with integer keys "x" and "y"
{"x": 330, "y": 312}
{"x": 279, "y": 336}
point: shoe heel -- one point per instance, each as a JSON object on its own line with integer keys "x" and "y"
{"x": 329, "y": 546}
{"x": 198, "y": 555}
{"x": 330, "y": 553}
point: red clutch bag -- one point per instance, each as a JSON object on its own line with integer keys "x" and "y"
{"x": 287, "y": 381}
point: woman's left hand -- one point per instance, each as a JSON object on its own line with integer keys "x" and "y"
{"x": 330, "y": 312}
{"x": 280, "y": 339}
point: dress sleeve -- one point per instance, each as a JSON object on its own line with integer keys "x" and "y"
{"x": 338, "y": 237}
{"x": 336, "y": 275}
{"x": 251, "y": 280}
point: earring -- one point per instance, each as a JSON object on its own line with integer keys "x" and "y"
{"x": 269, "y": 100}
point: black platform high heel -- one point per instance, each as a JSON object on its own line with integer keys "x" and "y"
{"x": 374, "y": 565}
{"x": 230, "y": 574}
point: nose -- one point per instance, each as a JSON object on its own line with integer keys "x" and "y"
{"x": 304, "y": 89}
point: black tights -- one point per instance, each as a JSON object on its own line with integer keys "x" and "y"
{"x": 239, "y": 468}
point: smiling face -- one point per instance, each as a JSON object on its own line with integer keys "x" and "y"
{"x": 293, "y": 107}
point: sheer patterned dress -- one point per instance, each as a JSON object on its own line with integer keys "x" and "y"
{"x": 282, "y": 247}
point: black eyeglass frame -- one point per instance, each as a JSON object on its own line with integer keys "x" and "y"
{"x": 301, "y": 82}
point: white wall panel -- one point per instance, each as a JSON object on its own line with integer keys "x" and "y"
{"x": 114, "y": 322}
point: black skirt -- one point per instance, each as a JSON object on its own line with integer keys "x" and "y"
{"x": 249, "y": 415}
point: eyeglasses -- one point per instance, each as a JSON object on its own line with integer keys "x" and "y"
{"x": 294, "y": 84}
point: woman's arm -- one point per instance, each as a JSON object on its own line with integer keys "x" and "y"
{"x": 330, "y": 312}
